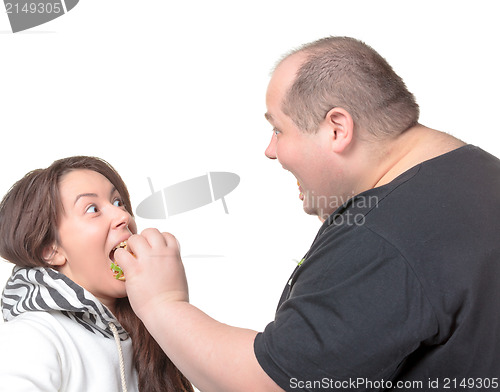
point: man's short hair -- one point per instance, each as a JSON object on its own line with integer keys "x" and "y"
{"x": 344, "y": 72}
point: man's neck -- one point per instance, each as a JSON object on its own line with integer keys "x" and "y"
{"x": 414, "y": 146}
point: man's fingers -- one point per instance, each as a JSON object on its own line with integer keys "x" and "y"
{"x": 148, "y": 242}
{"x": 171, "y": 241}
{"x": 138, "y": 244}
{"x": 154, "y": 238}
{"x": 123, "y": 258}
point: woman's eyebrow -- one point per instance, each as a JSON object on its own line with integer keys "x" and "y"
{"x": 84, "y": 195}
{"x": 113, "y": 190}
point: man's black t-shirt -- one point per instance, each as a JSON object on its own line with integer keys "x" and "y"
{"x": 400, "y": 289}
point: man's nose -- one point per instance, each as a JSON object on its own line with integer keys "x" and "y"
{"x": 271, "y": 148}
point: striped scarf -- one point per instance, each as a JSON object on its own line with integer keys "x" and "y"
{"x": 45, "y": 289}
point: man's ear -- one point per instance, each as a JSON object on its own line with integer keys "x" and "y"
{"x": 53, "y": 256}
{"x": 341, "y": 126}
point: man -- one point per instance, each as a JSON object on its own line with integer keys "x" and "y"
{"x": 401, "y": 286}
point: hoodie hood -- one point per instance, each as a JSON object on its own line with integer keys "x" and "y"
{"x": 45, "y": 289}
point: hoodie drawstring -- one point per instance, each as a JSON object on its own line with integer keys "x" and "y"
{"x": 120, "y": 354}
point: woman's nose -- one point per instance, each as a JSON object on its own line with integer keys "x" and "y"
{"x": 121, "y": 217}
{"x": 271, "y": 148}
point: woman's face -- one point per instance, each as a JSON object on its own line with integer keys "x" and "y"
{"x": 92, "y": 223}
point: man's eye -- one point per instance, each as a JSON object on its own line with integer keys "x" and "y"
{"x": 276, "y": 131}
{"x": 91, "y": 210}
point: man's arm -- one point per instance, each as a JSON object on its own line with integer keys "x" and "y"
{"x": 212, "y": 355}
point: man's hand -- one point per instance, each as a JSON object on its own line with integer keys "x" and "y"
{"x": 154, "y": 274}
{"x": 212, "y": 355}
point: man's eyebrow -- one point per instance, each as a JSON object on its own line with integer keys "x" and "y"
{"x": 268, "y": 116}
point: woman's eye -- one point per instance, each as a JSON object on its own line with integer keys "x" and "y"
{"x": 118, "y": 203}
{"x": 276, "y": 131}
{"x": 91, "y": 210}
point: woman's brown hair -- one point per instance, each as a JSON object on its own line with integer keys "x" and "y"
{"x": 29, "y": 214}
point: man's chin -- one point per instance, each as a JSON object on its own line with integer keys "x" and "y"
{"x": 312, "y": 211}
{"x": 321, "y": 214}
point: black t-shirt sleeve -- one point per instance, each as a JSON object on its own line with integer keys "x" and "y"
{"x": 353, "y": 312}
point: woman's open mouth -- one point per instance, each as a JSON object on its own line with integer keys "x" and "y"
{"x": 122, "y": 245}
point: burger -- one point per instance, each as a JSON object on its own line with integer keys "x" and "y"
{"x": 117, "y": 271}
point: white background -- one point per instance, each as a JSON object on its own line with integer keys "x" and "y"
{"x": 172, "y": 90}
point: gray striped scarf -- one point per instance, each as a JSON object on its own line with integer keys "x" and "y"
{"x": 45, "y": 289}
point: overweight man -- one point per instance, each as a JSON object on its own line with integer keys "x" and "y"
{"x": 401, "y": 286}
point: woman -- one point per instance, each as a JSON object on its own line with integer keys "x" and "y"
{"x": 69, "y": 325}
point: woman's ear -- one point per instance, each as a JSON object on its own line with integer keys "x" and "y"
{"x": 53, "y": 256}
{"x": 341, "y": 126}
